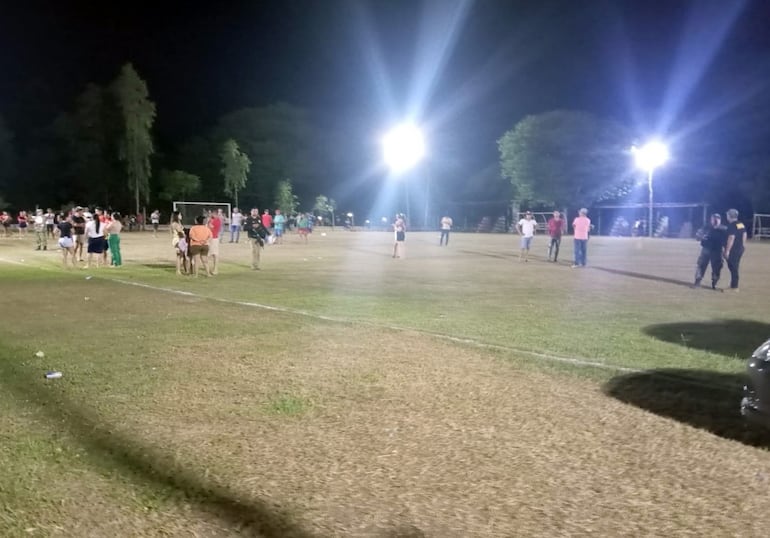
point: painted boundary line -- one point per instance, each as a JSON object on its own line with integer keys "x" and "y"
{"x": 296, "y": 312}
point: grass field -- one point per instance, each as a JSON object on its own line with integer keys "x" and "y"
{"x": 340, "y": 392}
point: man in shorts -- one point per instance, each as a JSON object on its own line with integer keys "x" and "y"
{"x": 526, "y": 228}
{"x": 79, "y": 230}
{"x": 155, "y": 220}
{"x": 215, "y": 225}
{"x": 279, "y": 222}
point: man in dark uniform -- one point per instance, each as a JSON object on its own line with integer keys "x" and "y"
{"x": 712, "y": 242}
{"x": 736, "y": 244}
{"x": 257, "y": 234}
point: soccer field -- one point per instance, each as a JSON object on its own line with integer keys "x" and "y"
{"x": 341, "y": 392}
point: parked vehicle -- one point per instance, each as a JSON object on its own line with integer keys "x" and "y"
{"x": 755, "y": 405}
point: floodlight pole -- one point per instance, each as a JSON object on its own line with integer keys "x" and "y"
{"x": 427, "y": 196}
{"x": 649, "y": 208}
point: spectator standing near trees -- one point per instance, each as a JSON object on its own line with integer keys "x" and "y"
{"x": 236, "y": 221}
{"x": 555, "y": 231}
{"x": 446, "y": 227}
{"x": 526, "y": 228}
{"x": 581, "y": 227}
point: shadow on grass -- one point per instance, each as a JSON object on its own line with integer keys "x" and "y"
{"x": 735, "y": 338}
{"x": 643, "y": 276}
{"x": 704, "y": 399}
{"x": 168, "y": 267}
{"x": 147, "y": 466}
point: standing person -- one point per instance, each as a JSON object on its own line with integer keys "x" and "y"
{"x": 40, "y": 231}
{"x": 50, "y": 219}
{"x": 177, "y": 232}
{"x": 399, "y": 230}
{"x": 236, "y": 221}
{"x": 6, "y": 221}
{"x": 555, "y": 231}
{"x": 95, "y": 234}
{"x": 223, "y": 219}
{"x": 267, "y": 220}
{"x": 257, "y": 234}
{"x": 113, "y": 229}
{"x": 200, "y": 235}
{"x": 303, "y": 226}
{"x": 64, "y": 230}
{"x": 446, "y": 226}
{"x": 21, "y": 222}
{"x": 79, "y": 227}
{"x": 735, "y": 247}
{"x": 581, "y": 226}
{"x": 155, "y": 220}
{"x": 215, "y": 225}
{"x": 526, "y": 228}
{"x": 278, "y": 225}
{"x": 712, "y": 242}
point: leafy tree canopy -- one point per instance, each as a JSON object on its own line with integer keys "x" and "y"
{"x": 178, "y": 185}
{"x": 566, "y": 157}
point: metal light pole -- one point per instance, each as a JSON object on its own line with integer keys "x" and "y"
{"x": 649, "y": 157}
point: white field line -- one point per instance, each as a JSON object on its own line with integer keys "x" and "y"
{"x": 296, "y": 312}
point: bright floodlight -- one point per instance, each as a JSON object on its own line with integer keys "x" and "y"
{"x": 403, "y": 147}
{"x": 651, "y": 156}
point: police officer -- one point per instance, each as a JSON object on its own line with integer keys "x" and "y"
{"x": 712, "y": 242}
{"x": 736, "y": 244}
{"x": 257, "y": 234}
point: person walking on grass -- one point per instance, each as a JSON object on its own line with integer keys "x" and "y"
{"x": 113, "y": 229}
{"x": 279, "y": 221}
{"x": 735, "y": 246}
{"x": 64, "y": 231}
{"x": 38, "y": 222}
{"x": 446, "y": 227}
{"x": 79, "y": 228}
{"x": 581, "y": 227}
{"x": 215, "y": 225}
{"x": 200, "y": 235}
{"x": 555, "y": 231}
{"x": 236, "y": 221}
{"x": 526, "y": 228}
{"x": 155, "y": 220}
{"x": 712, "y": 242}
{"x": 257, "y": 234}
{"x": 399, "y": 230}
{"x": 95, "y": 234}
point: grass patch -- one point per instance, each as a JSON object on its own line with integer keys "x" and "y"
{"x": 407, "y": 380}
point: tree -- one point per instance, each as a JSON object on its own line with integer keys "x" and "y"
{"x": 7, "y": 156}
{"x": 177, "y": 184}
{"x": 235, "y": 168}
{"x": 285, "y": 198}
{"x": 138, "y": 114}
{"x": 566, "y": 158}
{"x": 325, "y": 205}
{"x": 282, "y": 143}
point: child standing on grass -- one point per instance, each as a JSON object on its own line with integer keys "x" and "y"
{"x": 181, "y": 254}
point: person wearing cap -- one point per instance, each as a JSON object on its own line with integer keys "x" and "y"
{"x": 712, "y": 242}
{"x": 40, "y": 231}
{"x": 581, "y": 226}
{"x": 526, "y": 228}
{"x": 556, "y": 226}
{"x": 735, "y": 246}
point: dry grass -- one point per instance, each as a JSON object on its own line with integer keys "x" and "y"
{"x": 211, "y": 419}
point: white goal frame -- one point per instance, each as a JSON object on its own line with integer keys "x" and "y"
{"x": 204, "y": 205}
{"x": 761, "y": 227}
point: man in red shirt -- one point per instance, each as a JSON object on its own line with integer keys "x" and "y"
{"x": 215, "y": 225}
{"x": 267, "y": 220}
{"x": 555, "y": 230}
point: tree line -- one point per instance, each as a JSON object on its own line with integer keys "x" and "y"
{"x": 103, "y": 151}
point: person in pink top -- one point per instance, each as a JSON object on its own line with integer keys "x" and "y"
{"x": 581, "y": 226}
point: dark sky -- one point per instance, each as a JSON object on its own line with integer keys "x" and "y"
{"x": 471, "y": 70}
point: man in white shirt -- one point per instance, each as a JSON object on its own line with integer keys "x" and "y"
{"x": 526, "y": 228}
{"x": 236, "y": 221}
{"x": 446, "y": 226}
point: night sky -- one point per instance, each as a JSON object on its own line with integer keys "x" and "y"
{"x": 696, "y": 72}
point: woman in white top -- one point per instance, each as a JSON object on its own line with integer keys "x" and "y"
{"x": 95, "y": 234}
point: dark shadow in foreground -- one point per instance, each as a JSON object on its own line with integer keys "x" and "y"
{"x": 148, "y": 466}
{"x": 730, "y": 337}
{"x": 704, "y": 399}
{"x": 643, "y": 276}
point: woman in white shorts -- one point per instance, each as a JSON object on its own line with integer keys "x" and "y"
{"x": 66, "y": 242}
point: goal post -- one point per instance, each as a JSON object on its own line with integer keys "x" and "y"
{"x": 189, "y": 210}
{"x": 761, "y": 227}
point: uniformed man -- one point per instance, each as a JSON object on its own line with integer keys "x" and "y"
{"x": 257, "y": 234}
{"x": 736, "y": 244}
{"x": 712, "y": 242}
